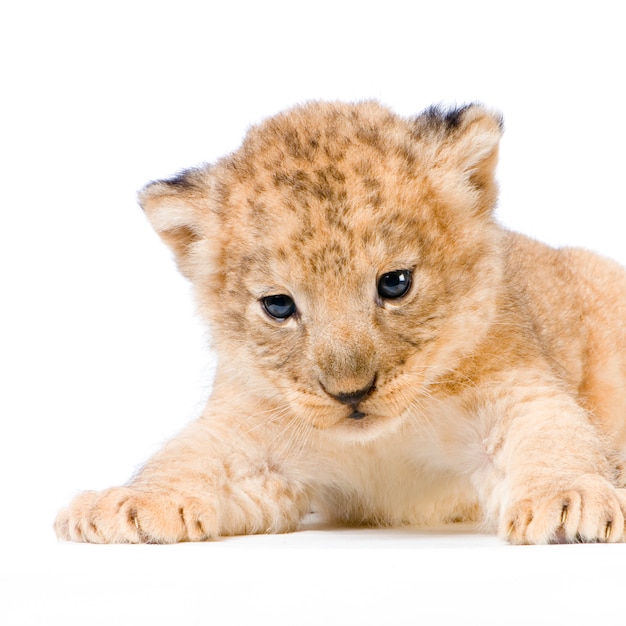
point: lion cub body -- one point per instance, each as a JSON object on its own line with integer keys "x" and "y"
{"x": 387, "y": 353}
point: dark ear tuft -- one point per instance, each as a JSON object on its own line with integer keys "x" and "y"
{"x": 444, "y": 119}
{"x": 438, "y": 119}
{"x": 182, "y": 180}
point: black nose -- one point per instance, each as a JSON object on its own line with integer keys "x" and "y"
{"x": 355, "y": 397}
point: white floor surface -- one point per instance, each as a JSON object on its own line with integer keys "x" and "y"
{"x": 320, "y": 575}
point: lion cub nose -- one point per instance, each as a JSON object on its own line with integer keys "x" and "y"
{"x": 354, "y": 397}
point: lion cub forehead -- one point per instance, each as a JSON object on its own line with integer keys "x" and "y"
{"x": 317, "y": 145}
{"x": 325, "y": 169}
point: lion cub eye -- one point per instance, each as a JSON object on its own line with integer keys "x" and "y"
{"x": 394, "y": 284}
{"x": 279, "y": 307}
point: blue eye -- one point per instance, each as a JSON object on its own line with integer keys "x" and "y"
{"x": 279, "y": 307}
{"x": 394, "y": 284}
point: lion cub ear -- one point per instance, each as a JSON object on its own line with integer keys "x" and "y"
{"x": 465, "y": 142}
{"x": 179, "y": 212}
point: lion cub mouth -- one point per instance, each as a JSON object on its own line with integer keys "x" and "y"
{"x": 357, "y": 415}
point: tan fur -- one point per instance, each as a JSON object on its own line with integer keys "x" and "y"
{"x": 498, "y": 379}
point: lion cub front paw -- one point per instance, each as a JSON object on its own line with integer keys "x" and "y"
{"x": 591, "y": 510}
{"x": 129, "y": 515}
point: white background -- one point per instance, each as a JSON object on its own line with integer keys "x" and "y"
{"x": 102, "y": 357}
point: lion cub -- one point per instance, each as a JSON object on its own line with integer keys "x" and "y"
{"x": 387, "y": 353}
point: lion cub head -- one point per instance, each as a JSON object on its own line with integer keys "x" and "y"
{"x": 344, "y": 257}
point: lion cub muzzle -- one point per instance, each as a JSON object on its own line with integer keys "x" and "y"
{"x": 347, "y": 370}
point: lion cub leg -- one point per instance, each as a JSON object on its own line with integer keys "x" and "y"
{"x": 204, "y": 483}
{"x": 549, "y": 477}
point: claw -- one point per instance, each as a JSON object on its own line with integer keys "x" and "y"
{"x": 564, "y": 515}
{"x": 200, "y": 528}
{"x": 132, "y": 517}
{"x": 607, "y": 530}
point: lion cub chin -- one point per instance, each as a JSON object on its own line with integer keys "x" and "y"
{"x": 388, "y": 354}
